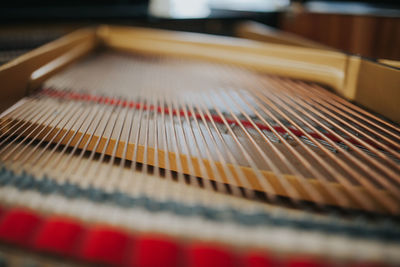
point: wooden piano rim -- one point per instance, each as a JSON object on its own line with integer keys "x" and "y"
{"x": 350, "y": 76}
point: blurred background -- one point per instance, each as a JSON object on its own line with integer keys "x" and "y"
{"x": 368, "y": 28}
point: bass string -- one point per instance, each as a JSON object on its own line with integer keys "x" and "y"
{"x": 63, "y": 166}
{"x": 220, "y": 185}
{"x": 354, "y": 148}
{"x": 13, "y": 130}
{"x": 27, "y": 156}
{"x": 331, "y": 169}
{"x": 328, "y": 167}
{"x": 334, "y": 158}
{"x": 100, "y": 174}
{"x": 314, "y": 193}
{"x": 108, "y": 177}
{"x": 334, "y": 115}
{"x": 202, "y": 168}
{"x": 289, "y": 188}
{"x": 370, "y": 172}
{"x": 137, "y": 183}
{"x": 376, "y": 176}
{"x": 206, "y": 182}
{"x": 25, "y": 108}
{"x": 167, "y": 186}
{"x": 63, "y": 140}
{"x": 238, "y": 172}
{"x": 72, "y": 175}
{"x": 265, "y": 184}
{"x": 351, "y": 109}
{"x": 90, "y": 163}
{"x": 341, "y": 198}
{"x": 51, "y": 170}
{"x": 47, "y": 113}
{"x": 190, "y": 198}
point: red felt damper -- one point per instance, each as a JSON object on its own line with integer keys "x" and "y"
{"x": 305, "y": 262}
{"x": 203, "y": 255}
{"x": 258, "y": 259}
{"x": 367, "y": 264}
{"x": 58, "y": 235}
{"x": 105, "y": 245}
{"x": 155, "y": 251}
{"x": 18, "y": 225}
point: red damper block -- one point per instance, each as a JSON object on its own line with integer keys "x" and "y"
{"x": 18, "y": 225}
{"x": 305, "y": 262}
{"x": 155, "y": 251}
{"x": 207, "y": 255}
{"x": 59, "y": 235}
{"x": 258, "y": 259}
{"x": 105, "y": 245}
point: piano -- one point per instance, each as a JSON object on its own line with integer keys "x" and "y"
{"x": 129, "y": 146}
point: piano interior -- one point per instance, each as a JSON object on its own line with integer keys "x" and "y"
{"x": 197, "y": 162}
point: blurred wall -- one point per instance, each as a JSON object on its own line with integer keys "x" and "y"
{"x": 369, "y": 36}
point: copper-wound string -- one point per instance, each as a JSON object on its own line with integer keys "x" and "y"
{"x": 144, "y": 186}
{"x": 87, "y": 165}
{"x": 186, "y": 108}
{"x": 94, "y": 181}
{"x": 220, "y": 182}
{"x": 164, "y": 146}
{"x": 121, "y": 168}
{"x": 32, "y": 134}
{"x": 265, "y": 184}
{"x": 339, "y": 196}
{"x": 342, "y": 164}
{"x": 356, "y": 111}
{"x": 106, "y": 174}
{"x": 138, "y": 125}
{"x": 355, "y": 148}
{"x": 376, "y": 176}
{"x": 59, "y": 127}
{"x": 343, "y": 180}
{"x": 110, "y": 180}
{"x": 152, "y": 184}
{"x": 66, "y": 164}
{"x": 315, "y": 195}
{"x": 290, "y": 190}
{"x": 58, "y": 158}
{"x": 238, "y": 172}
{"x": 16, "y": 116}
{"x": 332, "y": 112}
{"x": 375, "y": 130}
{"x": 175, "y": 149}
{"x": 381, "y": 198}
{"x": 27, "y": 125}
{"x": 189, "y": 156}
{"x": 305, "y": 185}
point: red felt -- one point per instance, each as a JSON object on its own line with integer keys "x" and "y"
{"x": 203, "y": 255}
{"x": 258, "y": 259}
{"x": 18, "y": 225}
{"x": 305, "y": 262}
{"x": 58, "y": 235}
{"x": 367, "y": 264}
{"x": 155, "y": 251}
{"x": 105, "y": 245}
